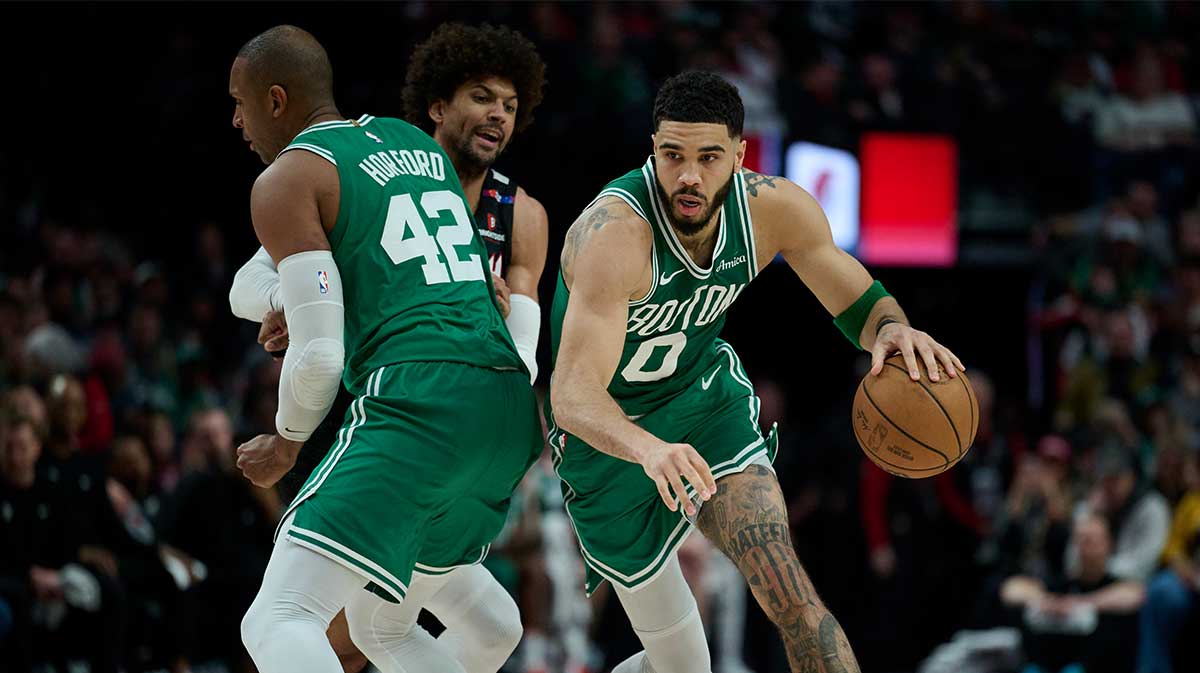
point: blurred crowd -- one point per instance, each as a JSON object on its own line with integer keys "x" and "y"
{"x": 1068, "y": 539}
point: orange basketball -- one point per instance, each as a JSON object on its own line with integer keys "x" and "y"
{"x": 914, "y": 429}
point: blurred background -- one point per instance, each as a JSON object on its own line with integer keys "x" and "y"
{"x": 1022, "y": 176}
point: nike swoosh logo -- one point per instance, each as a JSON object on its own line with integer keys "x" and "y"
{"x": 707, "y": 381}
{"x": 664, "y": 278}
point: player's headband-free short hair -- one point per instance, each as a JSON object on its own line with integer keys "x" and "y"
{"x": 700, "y": 97}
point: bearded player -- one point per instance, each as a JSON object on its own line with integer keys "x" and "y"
{"x": 654, "y": 422}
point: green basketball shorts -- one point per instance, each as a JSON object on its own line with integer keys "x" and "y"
{"x": 626, "y": 533}
{"x": 422, "y": 472}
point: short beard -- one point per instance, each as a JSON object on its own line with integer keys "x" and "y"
{"x": 685, "y": 227}
{"x": 472, "y": 162}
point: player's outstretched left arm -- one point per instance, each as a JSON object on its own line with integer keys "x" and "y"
{"x": 289, "y": 204}
{"x": 793, "y": 224}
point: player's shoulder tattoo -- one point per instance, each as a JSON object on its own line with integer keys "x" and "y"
{"x": 757, "y": 181}
{"x": 592, "y": 219}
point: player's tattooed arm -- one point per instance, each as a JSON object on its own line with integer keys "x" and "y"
{"x": 588, "y": 223}
{"x": 606, "y": 262}
{"x": 747, "y": 520}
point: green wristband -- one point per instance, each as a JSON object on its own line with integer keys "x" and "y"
{"x": 852, "y": 320}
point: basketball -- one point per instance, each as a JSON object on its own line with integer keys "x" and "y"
{"x": 914, "y": 429}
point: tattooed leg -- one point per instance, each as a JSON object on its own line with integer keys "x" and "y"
{"x": 747, "y": 520}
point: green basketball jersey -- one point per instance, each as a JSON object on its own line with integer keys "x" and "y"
{"x": 670, "y": 331}
{"x": 414, "y": 271}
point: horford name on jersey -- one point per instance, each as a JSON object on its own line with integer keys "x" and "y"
{"x": 385, "y": 165}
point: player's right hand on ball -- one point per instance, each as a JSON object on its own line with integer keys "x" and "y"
{"x": 273, "y": 333}
{"x": 666, "y": 463}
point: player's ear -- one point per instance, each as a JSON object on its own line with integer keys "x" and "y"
{"x": 437, "y": 111}
{"x": 278, "y": 100}
{"x": 739, "y": 154}
{"x": 652, "y": 142}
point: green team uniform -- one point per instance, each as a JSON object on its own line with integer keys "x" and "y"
{"x": 676, "y": 379}
{"x": 444, "y": 423}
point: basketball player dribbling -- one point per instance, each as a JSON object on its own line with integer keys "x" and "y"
{"x": 645, "y": 395}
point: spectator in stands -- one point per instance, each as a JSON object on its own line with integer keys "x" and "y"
{"x": 11, "y": 337}
{"x": 815, "y": 105}
{"x": 1087, "y": 622}
{"x": 1148, "y": 116}
{"x": 152, "y": 376}
{"x": 1147, "y": 131}
{"x": 1173, "y": 596}
{"x": 24, "y": 401}
{"x": 158, "y": 435}
{"x": 1184, "y": 400}
{"x": 1080, "y": 90}
{"x": 610, "y": 74}
{"x": 1138, "y": 516}
{"x": 1142, "y": 203}
{"x": 1029, "y": 534}
{"x": 749, "y": 58}
{"x": 1110, "y": 361}
{"x": 81, "y": 479}
{"x": 55, "y": 592}
{"x": 220, "y": 519}
{"x": 880, "y": 103}
{"x": 1033, "y": 532}
{"x": 155, "y": 574}
{"x": 1189, "y": 234}
{"x": 1119, "y": 270}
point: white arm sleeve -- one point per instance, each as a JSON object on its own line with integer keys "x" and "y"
{"x": 255, "y": 290}
{"x": 311, "y": 288}
{"x": 525, "y": 323}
